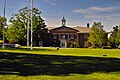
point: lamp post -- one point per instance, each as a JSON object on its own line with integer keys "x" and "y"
{"x": 4, "y": 23}
{"x": 31, "y": 24}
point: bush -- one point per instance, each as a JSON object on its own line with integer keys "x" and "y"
{"x": 106, "y": 47}
{"x": 119, "y": 47}
{"x": 74, "y": 45}
{"x": 1, "y": 41}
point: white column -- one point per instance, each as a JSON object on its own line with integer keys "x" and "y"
{"x": 31, "y": 24}
{"x": 28, "y": 23}
{"x": 4, "y": 24}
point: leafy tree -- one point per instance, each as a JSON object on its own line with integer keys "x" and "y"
{"x": 118, "y": 37}
{"x": 112, "y": 38}
{"x": 97, "y": 35}
{"x": 15, "y": 33}
{"x": 19, "y": 22}
{"x": 2, "y": 19}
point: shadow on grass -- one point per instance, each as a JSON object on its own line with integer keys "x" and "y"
{"x": 31, "y": 64}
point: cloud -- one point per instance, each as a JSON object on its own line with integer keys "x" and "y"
{"x": 48, "y": 1}
{"x": 94, "y": 12}
{"x": 92, "y": 16}
{"x": 95, "y": 9}
{"x": 109, "y": 16}
{"x": 51, "y": 2}
{"x": 103, "y": 16}
{"x": 108, "y": 20}
{"x": 101, "y": 9}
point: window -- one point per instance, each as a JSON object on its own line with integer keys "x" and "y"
{"x": 71, "y": 36}
{"x": 62, "y": 35}
{"x": 55, "y": 36}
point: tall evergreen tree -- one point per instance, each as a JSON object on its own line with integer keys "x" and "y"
{"x": 97, "y": 34}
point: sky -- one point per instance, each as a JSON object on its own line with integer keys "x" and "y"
{"x": 76, "y": 12}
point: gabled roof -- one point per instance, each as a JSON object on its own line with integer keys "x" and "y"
{"x": 78, "y": 29}
{"x": 58, "y": 28}
{"x": 83, "y": 29}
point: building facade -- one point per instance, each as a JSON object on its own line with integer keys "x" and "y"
{"x": 64, "y": 36}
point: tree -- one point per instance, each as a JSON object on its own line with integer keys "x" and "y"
{"x": 118, "y": 37}
{"x": 97, "y": 35}
{"x": 15, "y": 33}
{"x": 19, "y": 25}
{"x": 2, "y": 19}
{"x": 112, "y": 38}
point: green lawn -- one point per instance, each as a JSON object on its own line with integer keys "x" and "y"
{"x": 65, "y": 64}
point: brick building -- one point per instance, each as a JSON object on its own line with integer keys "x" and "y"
{"x": 62, "y": 36}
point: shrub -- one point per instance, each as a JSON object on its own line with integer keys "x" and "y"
{"x": 119, "y": 47}
{"x": 86, "y": 44}
{"x": 106, "y": 47}
{"x": 1, "y": 41}
{"x": 74, "y": 45}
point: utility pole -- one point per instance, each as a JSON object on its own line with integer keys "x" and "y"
{"x": 4, "y": 23}
{"x": 31, "y": 24}
{"x": 28, "y": 27}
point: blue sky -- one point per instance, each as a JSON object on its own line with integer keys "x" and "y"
{"x": 77, "y": 12}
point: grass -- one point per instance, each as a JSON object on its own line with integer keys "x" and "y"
{"x": 65, "y": 64}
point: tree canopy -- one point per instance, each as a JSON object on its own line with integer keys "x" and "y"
{"x": 17, "y": 30}
{"x": 97, "y": 35}
{"x": 2, "y": 19}
{"x": 118, "y": 36}
{"x": 114, "y": 39}
{"x": 113, "y": 36}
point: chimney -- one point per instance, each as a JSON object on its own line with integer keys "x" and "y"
{"x": 88, "y": 25}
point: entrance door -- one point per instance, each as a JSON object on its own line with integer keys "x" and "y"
{"x": 63, "y": 43}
